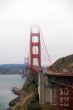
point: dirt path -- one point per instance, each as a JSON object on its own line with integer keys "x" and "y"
{"x": 22, "y": 102}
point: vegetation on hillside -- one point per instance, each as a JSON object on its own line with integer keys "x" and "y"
{"x": 64, "y": 64}
{"x": 31, "y": 83}
{"x": 11, "y": 69}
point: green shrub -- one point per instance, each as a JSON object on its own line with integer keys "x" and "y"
{"x": 34, "y": 106}
{"x": 34, "y": 102}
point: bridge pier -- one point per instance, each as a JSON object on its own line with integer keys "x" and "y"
{"x": 45, "y": 93}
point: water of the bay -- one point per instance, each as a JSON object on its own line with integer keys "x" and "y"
{"x": 6, "y": 83}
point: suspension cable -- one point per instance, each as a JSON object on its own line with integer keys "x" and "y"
{"x": 46, "y": 48}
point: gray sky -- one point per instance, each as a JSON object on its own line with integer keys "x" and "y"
{"x": 55, "y": 18}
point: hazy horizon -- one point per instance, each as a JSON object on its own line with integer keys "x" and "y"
{"x": 55, "y": 19}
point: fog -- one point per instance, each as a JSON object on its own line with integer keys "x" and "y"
{"x": 55, "y": 18}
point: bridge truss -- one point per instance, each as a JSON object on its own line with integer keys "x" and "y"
{"x": 64, "y": 90}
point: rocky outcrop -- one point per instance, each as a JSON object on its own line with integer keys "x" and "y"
{"x": 28, "y": 98}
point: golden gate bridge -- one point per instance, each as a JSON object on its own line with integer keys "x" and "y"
{"x": 62, "y": 82}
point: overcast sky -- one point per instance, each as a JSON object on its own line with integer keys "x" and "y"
{"x": 55, "y": 18}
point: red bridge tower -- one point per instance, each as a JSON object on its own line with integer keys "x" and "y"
{"x": 35, "y": 49}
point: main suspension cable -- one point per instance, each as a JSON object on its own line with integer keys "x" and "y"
{"x": 46, "y": 48}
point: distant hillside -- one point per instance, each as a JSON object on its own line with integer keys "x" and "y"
{"x": 11, "y": 68}
{"x": 64, "y": 64}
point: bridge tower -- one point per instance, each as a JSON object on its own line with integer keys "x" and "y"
{"x": 35, "y": 49}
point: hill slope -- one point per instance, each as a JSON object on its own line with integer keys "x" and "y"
{"x": 64, "y": 64}
{"x": 11, "y": 68}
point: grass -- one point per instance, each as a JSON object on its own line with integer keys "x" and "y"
{"x": 48, "y": 107}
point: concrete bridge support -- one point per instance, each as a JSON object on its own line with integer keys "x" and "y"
{"x": 45, "y": 93}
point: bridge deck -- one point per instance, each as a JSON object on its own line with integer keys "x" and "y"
{"x": 64, "y": 79}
